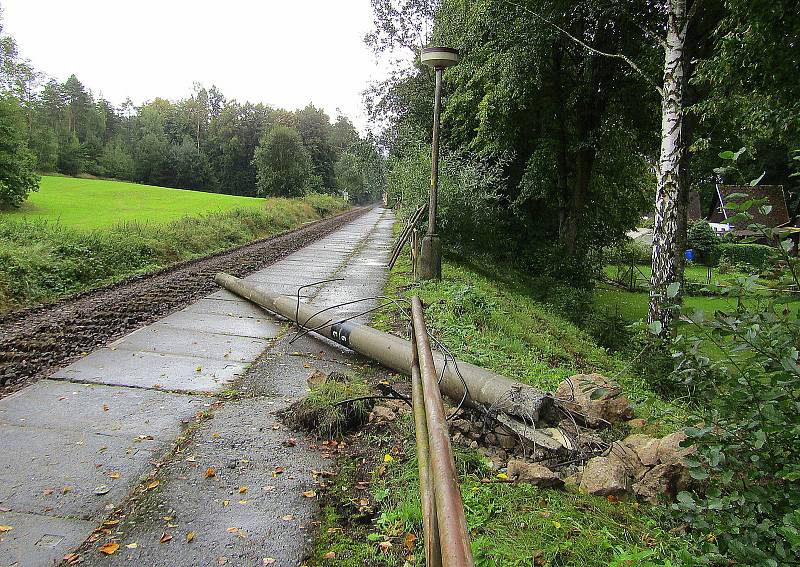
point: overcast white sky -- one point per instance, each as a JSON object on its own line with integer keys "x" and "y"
{"x": 284, "y": 53}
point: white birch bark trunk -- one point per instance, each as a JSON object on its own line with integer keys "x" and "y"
{"x": 666, "y": 225}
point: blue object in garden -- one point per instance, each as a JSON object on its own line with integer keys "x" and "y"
{"x": 689, "y": 255}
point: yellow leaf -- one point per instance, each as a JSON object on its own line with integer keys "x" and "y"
{"x": 210, "y": 472}
{"x": 243, "y": 501}
{"x": 309, "y": 494}
{"x": 109, "y": 548}
{"x": 115, "y": 475}
{"x": 4, "y": 529}
{"x": 502, "y": 476}
{"x": 226, "y": 502}
{"x": 153, "y": 484}
{"x": 189, "y": 537}
{"x": 133, "y": 545}
{"x": 556, "y": 524}
{"x": 242, "y": 489}
{"x": 387, "y": 458}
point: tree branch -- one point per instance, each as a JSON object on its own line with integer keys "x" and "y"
{"x": 588, "y": 47}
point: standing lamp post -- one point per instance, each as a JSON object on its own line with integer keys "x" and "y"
{"x": 429, "y": 265}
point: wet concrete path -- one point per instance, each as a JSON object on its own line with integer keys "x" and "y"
{"x": 74, "y": 447}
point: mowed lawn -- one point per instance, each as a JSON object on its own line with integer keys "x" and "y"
{"x": 95, "y": 203}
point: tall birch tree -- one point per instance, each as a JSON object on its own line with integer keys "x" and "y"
{"x": 668, "y": 211}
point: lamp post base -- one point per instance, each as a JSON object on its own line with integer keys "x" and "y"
{"x": 429, "y": 263}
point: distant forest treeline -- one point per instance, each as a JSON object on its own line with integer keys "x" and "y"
{"x": 203, "y": 141}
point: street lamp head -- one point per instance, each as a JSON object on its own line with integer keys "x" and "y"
{"x": 439, "y": 57}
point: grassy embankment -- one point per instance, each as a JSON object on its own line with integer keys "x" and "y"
{"x": 76, "y": 234}
{"x": 499, "y": 326}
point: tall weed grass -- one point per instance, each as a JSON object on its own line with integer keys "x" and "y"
{"x": 42, "y": 260}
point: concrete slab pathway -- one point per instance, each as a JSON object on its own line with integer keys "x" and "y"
{"x": 76, "y": 445}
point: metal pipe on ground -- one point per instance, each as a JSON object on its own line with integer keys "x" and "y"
{"x": 430, "y": 529}
{"x": 452, "y": 524}
{"x": 483, "y": 388}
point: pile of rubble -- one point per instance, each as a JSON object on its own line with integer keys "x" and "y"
{"x": 567, "y": 448}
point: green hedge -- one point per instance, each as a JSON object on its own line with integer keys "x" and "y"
{"x": 758, "y": 256}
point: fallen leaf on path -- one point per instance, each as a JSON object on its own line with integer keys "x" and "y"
{"x": 210, "y": 472}
{"x": 277, "y": 471}
{"x": 4, "y": 529}
{"x": 133, "y": 545}
{"x": 288, "y": 517}
{"x": 189, "y": 537}
{"x": 109, "y": 548}
{"x": 105, "y": 407}
{"x": 226, "y": 502}
{"x": 153, "y": 484}
{"x": 233, "y": 530}
{"x": 222, "y": 560}
{"x": 242, "y": 489}
{"x": 290, "y": 442}
{"x": 215, "y": 435}
{"x": 102, "y": 489}
{"x": 110, "y": 522}
{"x": 309, "y": 494}
{"x": 72, "y": 558}
{"x": 66, "y": 489}
{"x": 165, "y": 537}
{"x": 268, "y": 561}
{"x": 115, "y": 475}
{"x": 409, "y": 540}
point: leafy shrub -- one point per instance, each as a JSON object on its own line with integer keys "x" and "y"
{"x": 629, "y": 251}
{"x": 747, "y": 456}
{"x": 324, "y": 204}
{"x": 758, "y": 256}
{"x": 702, "y": 239}
{"x": 469, "y": 207}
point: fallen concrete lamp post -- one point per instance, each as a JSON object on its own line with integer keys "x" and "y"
{"x": 483, "y": 388}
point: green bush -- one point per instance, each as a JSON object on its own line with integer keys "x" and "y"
{"x": 702, "y": 239}
{"x": 757, "y": 256}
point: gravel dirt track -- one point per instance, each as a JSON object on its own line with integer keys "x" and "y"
{"x": 38, "y": 340}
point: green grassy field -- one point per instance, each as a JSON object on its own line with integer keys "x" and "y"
{"x": 76, "y": 234}
{"x": 96, "y": 203}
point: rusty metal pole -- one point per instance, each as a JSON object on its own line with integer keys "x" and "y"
{"x": 430, "y": 528}
{"x": 453, "y": 533}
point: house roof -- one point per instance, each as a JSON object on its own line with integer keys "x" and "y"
{"x": 772, "y": 193}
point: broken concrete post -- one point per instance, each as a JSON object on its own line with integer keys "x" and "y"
{"x": 484, "y": 388}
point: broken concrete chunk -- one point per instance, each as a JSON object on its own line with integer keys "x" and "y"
{"x": 603, "y": 476}
{"x": 646, "y": 448}
{"x": 595, "y": 397}
{"x": 670, "y": 450}
{"x": 661, "y": 483}
{"x": 533, "y": 473}
{"x": 382, "y": 414}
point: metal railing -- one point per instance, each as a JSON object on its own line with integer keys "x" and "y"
{"x": 443, "y": 521}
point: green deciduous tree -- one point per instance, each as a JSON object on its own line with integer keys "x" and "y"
{"x": 17, "y": 178}
{"x": 283, "y": 165}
